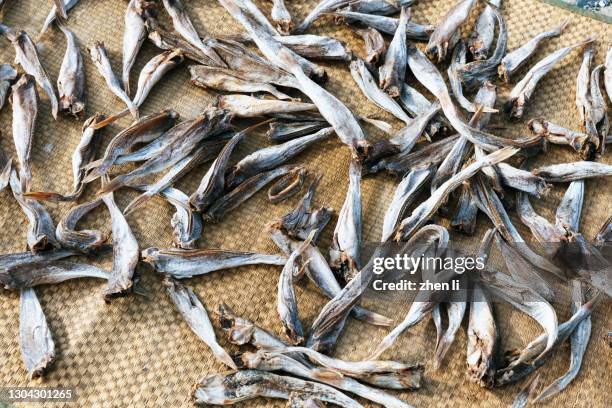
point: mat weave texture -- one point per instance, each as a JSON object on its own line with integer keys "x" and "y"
{"x": 137, "y": 352}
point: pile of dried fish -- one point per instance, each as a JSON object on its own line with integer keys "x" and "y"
{"x": 469, "y": 170}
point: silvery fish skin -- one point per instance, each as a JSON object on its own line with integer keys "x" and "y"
{"x": 393, "y": 71}
{"x": 48, "y": 272}
{"x": 83, "y": 240}
{"x": 219, "y": 389}
{"x": 583, "y": 81}
{"x": 281, "y": 16}
{"x": 99, "y": 56}
{"x": 183, "y": 25}
{"x": 484, "y": 32}
{"x": 579, "y": 340}
{"x": 134, "y": 35}
{"x": 35, "y": 338}
{"x": 608, "y": 73}
{"x": 273, "y": 156}
{"x": 287, "y": 186}
{"x": 566, "y": 172}
{"x": 186, "y": 224}
{"x": 455, "y": 311}
{"x": 425, "y": 210}
{"x": 380, "y": 7}
{"x": 8, "y": 261}
{"x": 458, "y": 60}
{"x": 522, "y": 92}
{"x": 85, "y": 152}
{"x": 346, "y": 244}
{"x": 406, "y": 138}
{"x": 555, "y": 134}
{"x": 322, "y": 8}
{"x": 71, "y": 78}
{"x": 7, "y": 75}
{"x": 440, "y": 39}
{"x": 387, "y": 25}
{"x": 375, "y": 45}
{"x": 186, "y": 263}
{"x": 5, "y": 172}
{"x": 194, "y": 313}
{"x": 223, "y": 79}
{"x": 598, "y": 121}
{"x": 244, "y": 106}
{"x": 370, "y": 89}
{"x": 316, "y": 47}
{"x": 416, "y": 104}
{"x": 542, "y": 230}
{"x": 569, "y": 210}
{"x": 522, "y": 180}
{"x": 405, "y": 194}
{"x": 241, "y": 331}
{"x": 466, "y": 213}
{"x": 126, "y": 252}
{"x": 515, "y": 59}
{"x": 24, "y": 99}
{"x": 605, "y": 232}
{"x": 52, "y": 16}
{"x": 41, "y": 231}
{"x": 522, "y": 398}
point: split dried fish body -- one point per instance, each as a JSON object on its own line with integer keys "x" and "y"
{"x": 522, "y": 92}
{"x": 553, "y": 133}
{"x": 481, "y": 339}
{"x": 393, "y": 72}
{"x": 99, "y": 57}
{"x": 455, "y": 311}
{"x": 387, "y": 25}
{"x": 583, "y": 87}
{"x": 134, "y": 35}
{"x": 484, "y": 32}
{"x": 52, "y": 16}
{"x": 566, "y": 172}
{"x": 186, "y": 224}
{"x": 8, "y": 74}
{"x": 83, "y": 240}
{"x": 569, "y": 210}
{"x": 248, "y": 107}
{"x": 598, "y": 122}
{"x": 71, "y": 78}
{"x": 440, "y": 39}
{"x": 380, "y": 7}
{"x": 183, "y": 263}
{"x": 35, "y": 338}
{"x": 375, "y": 45}
{"x": 514, "y": 60}
{"x": 542, "y": 230}
{"x": 195, "y": 315}
{"x": 458, "y": 60}
{"x": 287, "y": 186}
{"x": 84, "y": 153}
{"x": 17, "y": 259}
{"x": 407, "y": 137}
{"x": 281, "y": 16}
{"x": 48, "y": 272}
{"x": 24, "y": 99}
{"x": 466, "y": 213}
{"x": 416, "y": 104}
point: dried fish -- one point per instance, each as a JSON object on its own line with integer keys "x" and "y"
{"x": 186, "y": 224}
{"x": 287, "y": 186}
{"x": 281, "y": 16}
{"x": 194, "y": 313}
{"x": 219, "y": 389}
{"x": 416, "y": 104}
{"x": 598, "y": 122}
{"x": 322, "y": 8}
{"x": 84, "y": 240}
{"x": 8, "y": 261}
{"x": 442, "y": 36}
{"x": 583, "y": 87}
{"x": 71, "y": 78}
{"x": 543, "y": 231}
{"x": 375, "y": 45}
{"x": 458, "y": 60}
{"x": 393, "y": 72}
{"x": 316, "y": 47}
{"x": 522, "y": 398}
{"x": 566, "y": 172}
{"x": 484, "y": 32}
{"x": 183, "y": 25}
{"x": 608, "y": 74}
{"x": 515, "y": 59}
{"x": 99, "y": 57}
{"x": 222, "y": 79}
{"x": 48, "y": 272}
{"x": 41, "y": 231}
{"x": 24, "y": 99}
{"x": 273, "y": 156}
{"x": 134, "y": 35}
{"x": 405, "y": 194}
{"x": 35, "y": 338}
{"x": 380, "y": 7}
{"x": 522, "y": 92}
{"x": 406, "y": 138}
{"x": 52, "y": 16}
{"x": 249, "y": 107}
{"x": 7, "y": 75}
{"x": 455, "y": 311}
{"x": 126, "y": 252}
{"x": 605, "y": 232}
{"x": 581, "y": 142}
{"x": 241, "y": 331}
{"x": 464, "y": 219}
{"x": 186, "y": 263}
{"x": 570, "y": 209}
{"x": 387, "y": 25}
{"x": 346, "y": 244}
{"x": 281, "y": 131}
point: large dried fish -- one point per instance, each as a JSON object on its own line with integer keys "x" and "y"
{"x": 83, "y": 240}
{"x": 219, "y": 389}
{"x": 250, "y": 107}
{"x": 569, "y": 210}
{"x": 24, "y": 99}
{"x": 194, "y": 313}
{"x": 125, "y": 252}
{"x": 26, "y": 55}
{"x": 443, "y": 35}
{"x": 515, "y": 59}
{"x": 223, "y": 79}
{"x": 52, "y": 16}
{"x": 7, "y": 75}
{"x": 183, "y": 263}
{"x": 99, "y": 57}
{"x": 35, "y": 338}
{"x": 375, "y": 45}
{"x": 393, "y": 72}
{"x": 522, "y": 92}
{"x": 48, "y": 272}
{"x": 134, "y": 35}
{"x": 387, "y": 25}
{"x": 281, "y": 16}
{"x": 566, "y": 172}
{"x": 71, "y": 78}
{"x": 555, "y": 134}
{"x": 484, "y": 32}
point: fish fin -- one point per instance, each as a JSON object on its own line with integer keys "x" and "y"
{"x": 115, "y": 117}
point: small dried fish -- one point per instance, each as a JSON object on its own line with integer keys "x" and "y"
{"x": 241, "y": 331}
{"x": 393, "y": 72}
{"x": 380, "y": 7}
{"x": 270, "y": 157}
{"x": 35, "y": 338}
{"x": 186, "y": 263}
{"x": 7, "y": 75}
{"x": 522, "y": 92}
{"x": 281, "y": 131}
{"x": 455, "y": 311}
{"x": 442, "y": 36}
{"x": 186, "y": 224}
{"x": 605, "y": 232}
{"x": 134, "y": 35}
{"x": 24, "y": 99}
{"x": 84, "y": 240}
{"x": 99, "y": 57}
{"x": 522, "y": 180}
{"x": 387, "y": 25}
{"x": 543, "y": 231}
{"x": 48, "y": 272}
{"x": 581, "y": 142}
{"x": 8, "y": 261}
{"x": 583, "y": 87}
{"x": 126, "y": 252}
{"x": 522, "y": 398}
{"x": 316, "y": 47}
{"x": 570, "y": 209}
{"x": 281, "y": 16}
{"x": 466, "y": 213}
{"x": 598, "y": 122}
{"x": 84, "y": 153}
{"x": 515, "y": 59}
{"x": 484, "y": 32}
{"x": 222, "y": 79}
{"x": 194, "y": 313}
{"x": 322, "y": 8}
{"x": 406, "y": 138}
{"x": 219, "y": 389}
{"x": 458, "y": 60}
{"x": 375, "y": 45}
{"x": 71, "y": 78}
{"x": 52, "y": 16}
{"x": 566, "y": 172}
{"x": 287, "y": 186}
{"x": 416, "y": 104}
{"x": 243, "y": 106}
